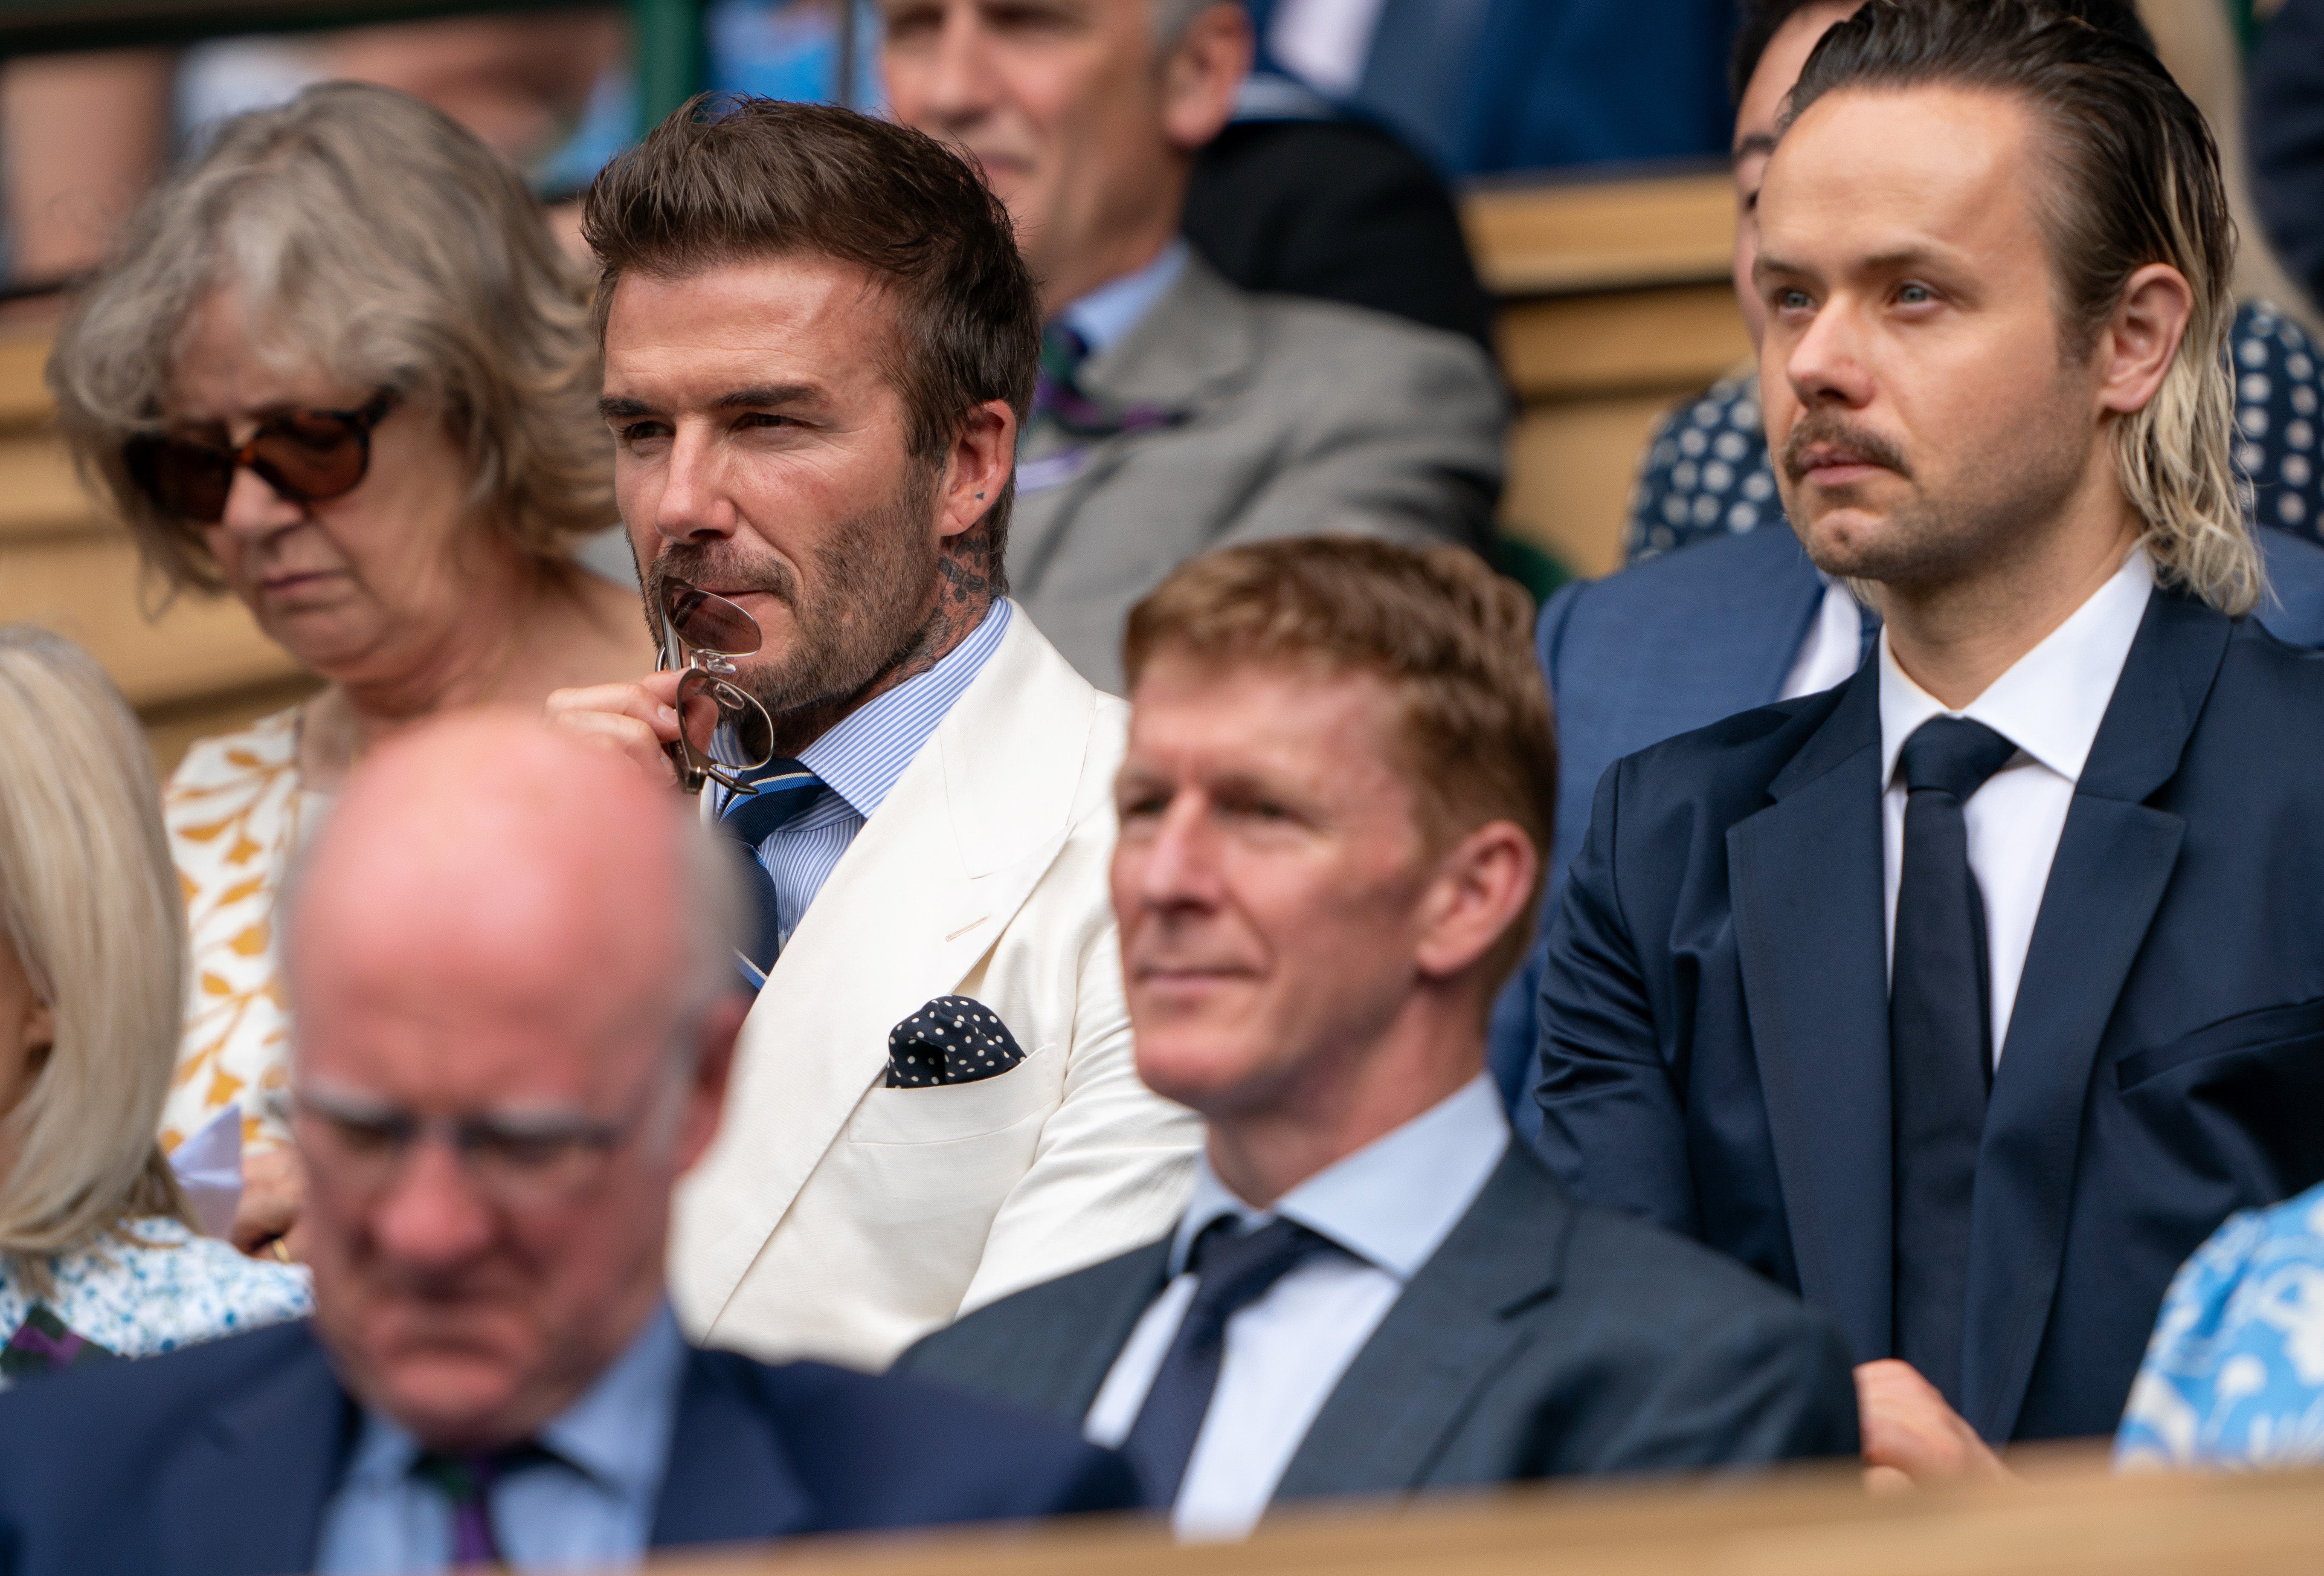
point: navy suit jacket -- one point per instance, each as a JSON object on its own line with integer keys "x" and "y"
{"x": 1540, "y": 1341}
{"x": 1715, "y": 1011}
{"x": 1678, "y": 642}
{"x": 218, "y": 1461}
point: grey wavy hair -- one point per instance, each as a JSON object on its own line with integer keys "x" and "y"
{"x": 90, "y": 902}
{"x": 374, "y": 239}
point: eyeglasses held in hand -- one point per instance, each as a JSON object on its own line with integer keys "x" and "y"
{"x": 308, "y": 456}
{"x": 518, "y": 1162}
{"x": 721, "y": 729}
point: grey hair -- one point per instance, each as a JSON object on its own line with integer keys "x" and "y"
{"x": 90, "y": 902}
{"x": 375, "y": 240}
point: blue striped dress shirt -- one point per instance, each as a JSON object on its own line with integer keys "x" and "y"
{"x": 859, "y": 761}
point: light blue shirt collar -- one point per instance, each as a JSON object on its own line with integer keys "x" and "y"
{"x": 862, "y": 757}
{"x": 1108, "y": 313}
{"x": 1392, "y": 1201}
{"x": 618, "y": 1432}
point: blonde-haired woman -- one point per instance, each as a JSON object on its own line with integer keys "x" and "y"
{"x": 96, "y": 1249}
{"x": 341, "y": 370}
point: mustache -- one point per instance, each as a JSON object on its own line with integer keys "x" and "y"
{"x": 1822, "y": 428}
{"x": 710, "y": 568}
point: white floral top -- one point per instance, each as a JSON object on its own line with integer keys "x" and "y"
{"x": 163, "y": 1289}
{"x": 236, "y": 811}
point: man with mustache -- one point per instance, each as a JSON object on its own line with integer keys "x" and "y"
{"x": 820, "y": 342}
{"x": 1968, "y": 996}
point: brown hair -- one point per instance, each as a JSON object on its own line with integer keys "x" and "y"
{"x": 374, "y": 238}
{"x": 2134, "y": 179}
{"x": 734, "y": 178}
{"x": 1452, "y": 638}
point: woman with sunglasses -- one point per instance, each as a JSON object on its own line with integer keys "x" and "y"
{"x": 341, "y": 370}
{"x": 97, "y": 1250}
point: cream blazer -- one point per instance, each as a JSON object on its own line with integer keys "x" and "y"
{"x": 834, "y": 1218}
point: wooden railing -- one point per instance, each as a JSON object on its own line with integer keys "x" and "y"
{"x": 1615, "y": 302}
{"x": 2070, "y": 1519}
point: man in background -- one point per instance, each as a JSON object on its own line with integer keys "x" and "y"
{"x": 507, "y": 954}
{"x": 1331, "y": 809}
{"x": 1175, "y": 413}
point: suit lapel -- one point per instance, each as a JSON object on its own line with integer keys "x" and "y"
{"x": 1740, "y": 633}
{"x": 728, "y": 1479}
{"x": 1090, "y": 1327}
{"x": 1442, "y": 1343}
{"x": 275, "y": 1449}
{"x": 1196, "y": 347}
{"x": 1811, "y": 933}
{"x": 920, "y": 895}
{"x": 2113, "y": 860}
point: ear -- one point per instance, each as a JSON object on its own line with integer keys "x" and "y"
{"x": 1480, "y": 889}
{"x": 1203, "y": 74}
{"x": 977, "y": 467}
{"x": 706, "y": 1097}
{"x": 2140, "y": 340}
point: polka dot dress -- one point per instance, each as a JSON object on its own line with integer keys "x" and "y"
{"x": 953, "y": 1039}
{"x": 1707, "y": 474}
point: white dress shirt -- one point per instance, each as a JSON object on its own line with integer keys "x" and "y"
{"x": 1390, "y": 1206}
{"x": 2049, "y": 704}
{"x": 1834, "y": 648}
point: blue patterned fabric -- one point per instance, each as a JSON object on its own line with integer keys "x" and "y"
{"x": 2235, "y": 1374}
{"x": 157, "y": 1288}
{"x": 1707, "y": 474}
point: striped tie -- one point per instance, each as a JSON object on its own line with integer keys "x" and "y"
{"x": 465, "y": 1482}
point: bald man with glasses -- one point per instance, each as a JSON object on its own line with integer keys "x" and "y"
{"x": 510, "y": 955}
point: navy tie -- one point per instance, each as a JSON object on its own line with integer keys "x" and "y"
{"x": 1230, "y": 1273}
{"x": 1940, "y": 1042}
{"x": 786, "y": 789}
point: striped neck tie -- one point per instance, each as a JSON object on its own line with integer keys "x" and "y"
{"x": 785, "y": 790}
{"x": 466, "y": 1480}
{"x": 1058, "y": 396}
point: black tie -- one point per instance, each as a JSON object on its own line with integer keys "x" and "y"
{"x": 1940, "y": 1042}
{"x": 1231, "y": 1272}
{"x": 785, "y": 788}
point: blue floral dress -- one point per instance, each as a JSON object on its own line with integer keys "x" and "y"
{"x": 153, "y": 1287}
{"x": 2234, "y": 1376}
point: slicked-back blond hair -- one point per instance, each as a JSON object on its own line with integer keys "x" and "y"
{"x": 1451, "y": 640}
{"x": 2133, "y": 177}
{"x": 90, "y": 902}
{"x": 374, "y": 239}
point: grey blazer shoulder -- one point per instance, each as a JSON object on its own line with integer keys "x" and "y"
{"x": 1296, "y": 417}
{"x": 1544, "y": 1338}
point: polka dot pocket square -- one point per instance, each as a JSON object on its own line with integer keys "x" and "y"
{"x": 953, "y": 1039}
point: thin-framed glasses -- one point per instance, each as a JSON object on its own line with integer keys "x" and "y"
{"x": 308, "y": 456}
{"x": 517, "y": 1161}
{"x": 721, "y": 728}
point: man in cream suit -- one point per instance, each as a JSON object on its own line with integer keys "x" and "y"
{"x": 1175, "y": 413}
{"x": 819, "y": 343}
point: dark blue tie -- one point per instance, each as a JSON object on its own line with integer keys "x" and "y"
{"x": 1230, "y": 1273}
{"x": 1940, "y": 1042}
{"x": 786, "y": 789}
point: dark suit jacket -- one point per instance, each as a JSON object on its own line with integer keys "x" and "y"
{"x": 218, "y": 1461}
{"x": 2284, "y": 116}
{"x": 1715, "y": 1011}
{"x": 1340, "y": 211}
{"x": 1540, "y": 1341}
{"x": 1677, "y": 643}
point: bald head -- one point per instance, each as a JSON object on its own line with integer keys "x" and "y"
{"x": 516, "y": 868}
{"x": 512, "y": 993}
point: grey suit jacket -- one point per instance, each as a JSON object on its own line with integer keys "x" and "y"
{"x": 1543, "y": 1339}
{"x": 1299, "y": 417}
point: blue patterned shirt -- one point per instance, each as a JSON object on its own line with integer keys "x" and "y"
{"x": 859, "y": 761}
{"x": 2234, "y": 1376}
{"x": 1707, "y": 473}
{"x": 159, "y": 1287}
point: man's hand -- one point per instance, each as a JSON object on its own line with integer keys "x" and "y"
{"x": 273, "y": 1192}
{"x": 1911, "y": 1437}
{"x": 636, "y": 719}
